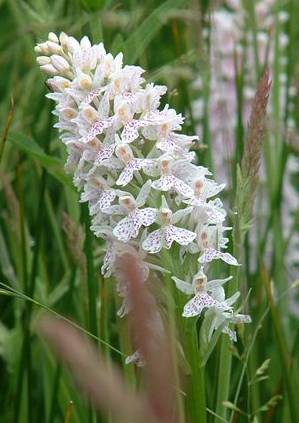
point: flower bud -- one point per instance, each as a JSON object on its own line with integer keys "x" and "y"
{"x": 128, "y": 202}
{"x": 165, "y": 167}
{"x": 90, "y": 114}
{"x": 72, "y": 44}
{"x": 43, "y": 60}
{"x": 54, "y": 48}
{"x": 60, "y": 63}
{"x": 49, "y": 69}
{"x": 124, "y": 153}
{"x": 69, "y": 113}
{"x": 53, "y": 37}
{"x": 84, "y": 82}
{"x": 200, "y": 282}
{"x": 42, "y": 48}
{"x": 63, "y": 38}
{"x": 123, "y": 113}
{"x": 38, "y": 49}
{"x": 59, "y": 83}
{"x": 166, "y": 216}
{"x": 85, "y": 43}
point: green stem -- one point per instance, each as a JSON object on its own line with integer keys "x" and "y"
{"x": 224, "y": 373}
{"x": 196, "y": 400}
{"x": 92, "y": 288}
{"x": 291, "y": 380}
{"x": 172, "y": 321}
{"x": 225, "y": 361}
{"x": 54, "y": 395}
{"x": 126, "y": 347}
{"x": 91, "y": 279}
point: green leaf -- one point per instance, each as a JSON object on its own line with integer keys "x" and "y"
{"x": 208, "y": 342}
{"x": 143, "y": 35}
{"x": 118, "y": 44}
{"x": 93, "y": 5}
{"x": 52, "y": 164}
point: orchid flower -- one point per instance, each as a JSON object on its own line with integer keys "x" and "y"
{"x": 135, "y": 169}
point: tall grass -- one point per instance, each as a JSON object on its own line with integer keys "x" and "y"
{"x": 49, "y": 260}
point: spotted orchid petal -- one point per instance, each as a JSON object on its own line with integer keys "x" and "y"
{"x": 146, "y": 216}
{"x": 91, "y": 96}
{"x": 163, "y": 184}
{"x": 125, "y": 229}
{"x": 171, "y": 144}
{"x": 180, "y": 235}
{"x": 231, "y": 333}
{"x": 211, "y": 254}
{"x": 182, "y": 188}
{"x": 104, "y": 154}
{"x": 106, "y": 199}
{"x": 215, "y": 215}
{"x": 127, "y": 174}
{"x": 97, "y": 129}
{"x": 150, "y": 167}
{"x": 108, "y": 261}
{"x": 154, "y": 242}
{"x": 195, "y": 306}
{"x": 130, "y": 131}
{"x": 166, "y": 183}
{"x": 241, "y": 318}
{"x": 114, "y": 209}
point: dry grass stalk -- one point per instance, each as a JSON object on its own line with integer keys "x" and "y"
{"x": 152, "y": 342}
{"x": 257, "y": 127}
{"x": 102, "y": 384}
{"x": 13, "y": 216}
{"x": 75, "y": 241}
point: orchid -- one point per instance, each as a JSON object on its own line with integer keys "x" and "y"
{"x": 144, "y": 188}
{"x": 210, "y": 295}
{"x": 168, "y": 233}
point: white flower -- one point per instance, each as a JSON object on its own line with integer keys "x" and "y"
{"x": 132, "y": 164}
{"x": 129, "y": 227}
{"x": 210, "y": 297}
{"x": 162, "y": 123}
{"x": 210, "y": 241}
{"x": 98, "y": 193}
{"x": 207, "y": 294}
{"x": 168, "y": 181}
{"x": 116, "y": 136}
{"x": 224, "y": 319}
{"x": 148, "y": 99}
{"x": 177, "y": 143}
{"x": 168, "y": 233}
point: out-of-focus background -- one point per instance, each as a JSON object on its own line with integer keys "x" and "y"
{"x": 211, "y": 55}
